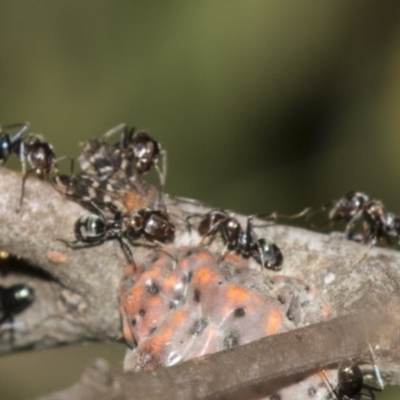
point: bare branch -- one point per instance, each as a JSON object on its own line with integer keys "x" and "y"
{"x": 77, "y": 290}
{"x": 221, "y": 376}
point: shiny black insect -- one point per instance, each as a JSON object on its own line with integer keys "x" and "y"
{"x": 41, "y": 158}
{"x": 111, "y": 175}
{"x": 13, "y": 300}
{"x": 9, "y": 143}
{"x": 153, "y": 225}
{"x": 377, "y": 222}
{"x": 351, "y": 385}
{"x": 268, "y": 254}
{"x": 141, "y": 149}
{"x": 95, "y": 229}
{"x": 348, "y": 208}
{"x": 244, "y": 242}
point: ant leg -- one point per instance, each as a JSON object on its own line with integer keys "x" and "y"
{"x": 223, "y": 254}
{"x": 348, "y": 232}
{"x": 127, "y": 251}
{"x": 24, "y": 127}
{"x": 261, "y": 253}
{"x": 377, "y": 372}
{"x": 72, "y": 162}
{"x": 113, "y": 131}
{"x": 329, "y": 384}
{"x": 370, "y": 394}
{"x": 209, "y": 237}
{"x": 308, "y": 212}
{"x": 162, "y": 172}
{"x": 188, "y": 218}
{"x": 24, "y": 178}
{"x": 75, "y": 246}
{"x": 22, "y": 157}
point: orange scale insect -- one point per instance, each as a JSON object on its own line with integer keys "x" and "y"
{"x": 170, "y": 282}
{"x": 237, "y": 295}
{"x": 326, "y": 311}
{"x": 196, "y": 260}
{"x": 274, "y": 322}
{"x": 236, "y": 259}
{"x": 205, "y": 276}
{"x": 149, "y": 274}
{"x": 137, "y": 293}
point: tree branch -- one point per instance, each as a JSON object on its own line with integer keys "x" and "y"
{"x": 77, "y": 290}
{"x": 268, "y": 364}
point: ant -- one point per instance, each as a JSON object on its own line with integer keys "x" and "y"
{"x": 348, "y": 208}
{"x": 32, "y": 149}
{"x": 378, "y": 222}
{"x": 353, "y": 206}
{"x": 244, "y": 242}
{"x": 13, "y": 300}
{"x": 8, "y": 143}
{"x": 95, "y": 229}
{"x": 141, "y": 148}
{"x": 351, "y": 384}
{"x": 41, "y": 157}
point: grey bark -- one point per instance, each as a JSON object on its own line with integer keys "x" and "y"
{"x": 76, "y": 299}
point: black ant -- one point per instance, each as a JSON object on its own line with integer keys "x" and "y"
{"x": 41, "y": 158}
{"x": 9, "y": 143}
{"x": 351, "y": 385}
{"x": 377, "y": 222}
{"x": 348, "y": 208}
{"x": 268, "y": 254}
{"x": 13, "y": 300}
{"x": 153, "y": 225}
{"x": 141, "y": 148}
{"x": 244, "y": 242}
{"x": 95, "y": 229}
{"x": 32, "y": 149}
{"x": 40, "y": 155}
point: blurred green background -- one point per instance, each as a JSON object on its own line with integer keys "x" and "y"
{"x": 262, "y": 106}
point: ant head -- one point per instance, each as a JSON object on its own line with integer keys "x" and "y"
{"x": 90, "y": 228}
{"x": 350, "y": 378}
{"x": 231, "y": 231}
{"x": 145, "y": 150}
{"x": 348, "y": 206}
{"x": 42, "y": 156}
